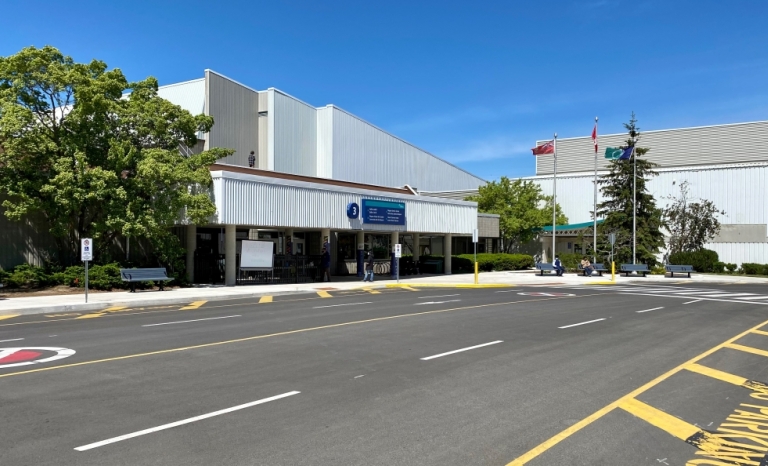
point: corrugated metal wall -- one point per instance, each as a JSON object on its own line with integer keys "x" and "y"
{"x": 736, "y": 143}
{"x": 366, "y": 154}
{"x": 235, "y": 110}
{"x": 325, "y": 142}
{"x": 741, "y": 191}
{"x": 248, "y": 200}
{"x": 295, "y": 135}
{"x": 188, "y": 95}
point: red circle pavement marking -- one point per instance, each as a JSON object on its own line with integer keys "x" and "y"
{"x": 15, "y": 357}
{"x": 540, "y": 293}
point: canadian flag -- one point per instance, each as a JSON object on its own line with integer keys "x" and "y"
{"x": 594, "y": 137}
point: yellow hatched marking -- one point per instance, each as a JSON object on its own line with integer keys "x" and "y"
{"x": 9, "y": 316}
{"x": 552, "y": 441}
{"x": 748, "y": 349}
{"x": 716, "y": 374}
{"x": 371, "y": 290}
{"x": 265, "y": 299}
{"x": 101, "y": 313}
{"x": 324, "y": 294}
{"x": 760, "y": 332}
{"x": 409, "y": 288}
{"x": 193, "y": 305}
{"x": 672, "y": 425}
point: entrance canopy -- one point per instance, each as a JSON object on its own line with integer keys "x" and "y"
{"x": 267, "y": 199}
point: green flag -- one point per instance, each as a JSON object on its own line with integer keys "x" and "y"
{"x": 613, "y": 153}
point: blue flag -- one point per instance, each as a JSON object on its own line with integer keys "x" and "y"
{"x": 627, "y": 153}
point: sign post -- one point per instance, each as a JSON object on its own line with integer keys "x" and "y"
{"x": 86, "y": 255}
{"x": 612, "y": 239}
{"x": 474, "y": 240}
{"x": 398, "y": 254}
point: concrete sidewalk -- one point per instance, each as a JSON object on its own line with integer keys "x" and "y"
{"x": 99, "y": 301}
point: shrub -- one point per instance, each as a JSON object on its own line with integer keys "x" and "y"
{"x": 730, "y": 267}
{"x": 750, "y": 268}
{"x": 487, "y": 262}
{"x": 658, "y": 270}
{"x": 719, "y": 267}
{"x": 28, "y": 276}
{"x": 703, "y": 260}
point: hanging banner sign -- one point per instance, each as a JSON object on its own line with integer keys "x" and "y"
{"x": 383, "y": 212}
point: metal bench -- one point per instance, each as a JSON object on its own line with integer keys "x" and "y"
{"x": 545, "y": 267}
{"x": 599, "y": 268}
{"x": 144, "y": 275}
{"x": 673, "y": 269}
{"x": 629, "y": 268}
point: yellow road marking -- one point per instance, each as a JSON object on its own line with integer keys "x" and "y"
{"x": 676, "y": 427}
{"x": 547, "y": 444}
{"x": 193, "y": 305}
{"x": 748, "y": 349}
{"x": 409, "y": 288}
{"x": 265, "y": 299}
{"x": 114, "y": 308}
{"x": 288, "y": 332}
{"x": 68, "y": 314}
{"x": 760, "y": 332}
{"x": 716, "y": 374}
{"x": 9, "y": 316}
{"x": 372, "y": 291}
{"x": 102, "y": 312}
{"x": 324, "y": 294}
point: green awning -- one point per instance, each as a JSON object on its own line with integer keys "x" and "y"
{"x": 572, "y": 226}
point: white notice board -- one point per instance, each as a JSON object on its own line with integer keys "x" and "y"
{"x": 256, "y": 255}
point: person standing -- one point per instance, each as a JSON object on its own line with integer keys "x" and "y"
{"x": 252, "y": 160}
{"x": 325, "y": 265}
{"x": 369, "y": 267}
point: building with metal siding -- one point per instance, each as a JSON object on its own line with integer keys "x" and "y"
{"x": 235, "y": 110}
{"x": 684, "y": 147}
{"x": 294, "y": 135}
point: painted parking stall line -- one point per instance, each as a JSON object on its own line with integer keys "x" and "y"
{"x": 339, "y": 305}
{"x": 649, "y": 310}
{"x": 190, "y": 420}
{"x": 582, "y": 323}
{"x": 461, "y": 350}
{"x": 437, "y": 302}
{"x": 188, "y": 321}
{"x": 12, "y": 339}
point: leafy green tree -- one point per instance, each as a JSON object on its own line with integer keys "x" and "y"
{"x": 691, "y": 224}
{"x": 522, "y": 208}
{"x": 96, "y": 155}
{"x": 617, "y": 188}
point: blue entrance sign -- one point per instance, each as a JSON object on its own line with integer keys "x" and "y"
{"x": 383, "y": 212}
{"x": 353, "y": 210}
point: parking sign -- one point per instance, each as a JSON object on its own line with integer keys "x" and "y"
{"x": 86, "y": 249}
{"x": 398, "y": 250}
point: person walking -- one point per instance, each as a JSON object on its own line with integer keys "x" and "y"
{"x": 325, "y": 265}
{"x": 369, "y": 267}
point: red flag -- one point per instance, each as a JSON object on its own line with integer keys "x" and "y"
{"x": 546, "y": 148}
{"x": 594, "y": 137}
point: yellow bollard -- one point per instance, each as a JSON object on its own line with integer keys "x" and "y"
{"x": 476, "y": 277}
{"x": 613, "y": 271}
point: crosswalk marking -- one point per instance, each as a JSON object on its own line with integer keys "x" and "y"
{"x": 682, "y": 292}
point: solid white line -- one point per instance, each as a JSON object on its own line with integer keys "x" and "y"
{"x": 437, "y": 302}
{"x": 12, "y": 339}
{"x": 186, "y": 321}
{"x": 182, "y": 422}
{"x": 649, "y": 310}
{"x": 439, "y": 296}
{"x": 694, "y": 301}
{"x": 461, "y": 350}
{"x": 582, "y": 323}
{"x": 337, "y": 305}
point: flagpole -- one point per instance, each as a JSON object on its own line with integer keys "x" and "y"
{"x": 554, "y": 204}
{"x": 594, "y": 226}
{"x": 634, "y": 208}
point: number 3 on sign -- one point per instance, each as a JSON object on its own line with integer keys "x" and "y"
{"x": 353, "y": 210}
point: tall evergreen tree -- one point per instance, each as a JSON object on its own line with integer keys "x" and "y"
{"x": 617, "y": 188}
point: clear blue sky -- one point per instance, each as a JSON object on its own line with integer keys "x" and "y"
{"x": 475, "y": 83}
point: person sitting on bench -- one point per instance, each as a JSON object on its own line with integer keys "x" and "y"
{"x": 559, "y": 269}
{"x": 587, "y": 267}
